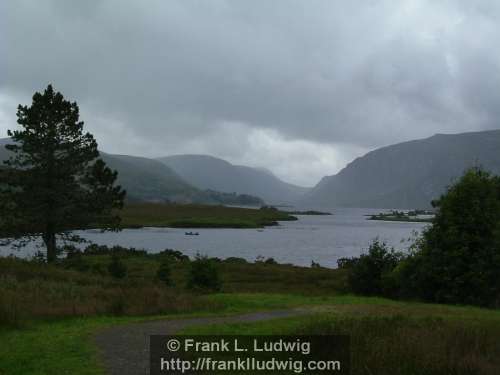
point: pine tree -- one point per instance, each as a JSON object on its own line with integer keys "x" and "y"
{"x": 54, "y": 181}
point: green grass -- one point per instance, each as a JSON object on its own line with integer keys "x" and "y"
{"x": 199, "y": 216}
{"x": 82, "y": 286}
{"x": 49, "y": 313}
{"x": 389, "y": 337}
{"x": 396, "y": 344}
{"x": 65, "y": 346}
{"x": 241, "y": 302}
{"x": 341, "y": 305}
{"x": 61, "y": 347}
{"x": 52, "y": 348}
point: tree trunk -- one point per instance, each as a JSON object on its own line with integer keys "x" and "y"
{"x": 50, "y": 243}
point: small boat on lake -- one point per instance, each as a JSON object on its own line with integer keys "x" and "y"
{"x": 192, "y": 234}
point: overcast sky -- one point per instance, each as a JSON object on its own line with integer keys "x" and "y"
{"x": 299, "y": 87}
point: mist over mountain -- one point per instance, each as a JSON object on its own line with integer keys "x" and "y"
{"x": 409, "y": 174}
{"x": 208, "y": 172}
{"x": 150, "y": 180}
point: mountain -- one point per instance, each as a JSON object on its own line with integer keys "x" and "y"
{"x": 409, "y": 174}
{"x": 150, "y": 180}
{"x": 147, "y": 179}
{"x": 208, "y": 172}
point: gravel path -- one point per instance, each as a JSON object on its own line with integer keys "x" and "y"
{"x": 124, "y": 349}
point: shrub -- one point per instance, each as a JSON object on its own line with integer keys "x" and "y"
{"x": 270, "y": 261}
{"x": 10, "y": 311}
{"x": 117, "y": 305}
{"x": 346, "y": 263}
{"x": 260, "y": 259}
{"x": 458, "y": 257}
{"x": 204, "y": 274}
{"x": 39, "y": 257}
{"x": 71, "y": 251}
{"x": 77, "y": 263}
{"x": 164, "y": 273}
{"x": 117, "y": 268}
{"x": 95, "y": 249}
{"x": 315, "y": 264}
{"x": 235, "y": 260}
{"x": 370, "y": 274}
{"x": 173, "y": 254}
{"x": 30, "y": 290}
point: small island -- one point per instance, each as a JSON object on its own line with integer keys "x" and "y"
{"x": 296, "y": 212}
{"x": 414, "y": 216}
{"x": 137, "y": 215}
{"x": 309, "y": 212}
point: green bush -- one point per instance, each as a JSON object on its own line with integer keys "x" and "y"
{"x": 95, "y": 249}
{"x": 315, "y": 264}
{"x": 173, "y": 255}
{"x": 117, "y": 268}
{"x": 164, "y": 273}
{"x": 235, "y": 260}
{"x": 371, "y": 274}
{"x": 204, "y": 274}
{"x": 458, "y": 257}
{"x": 270, "y": 261}
{"x": 78, "y": 263}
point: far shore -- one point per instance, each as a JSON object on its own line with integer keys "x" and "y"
{"x": 412, "y": 216}
{"x": 139, "y": 215}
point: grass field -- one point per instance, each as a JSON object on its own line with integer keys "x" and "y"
{"x": 389, "y": 337}
{"x": 48, "y": 314}
{"x": 81, "y": 286}
{"x": 47, "y": 347}
{"x": 199, "y": 216}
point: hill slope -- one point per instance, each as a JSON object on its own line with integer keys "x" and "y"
{"x": 147, "y": 179}
{"x": 207, "y": 172}
{"x": 409, "y": 174}
{"x": 150, "y": 180}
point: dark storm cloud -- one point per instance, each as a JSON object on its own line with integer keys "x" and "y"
{"x": 225, "y": 77}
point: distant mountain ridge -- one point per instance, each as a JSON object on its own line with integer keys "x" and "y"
{"x": 150, "y": 180}
{"x": 147, "y": 179}
{"x": 405, "y": 175}
{"x": 208, "y": 172}
{"x": 409, "y": 174}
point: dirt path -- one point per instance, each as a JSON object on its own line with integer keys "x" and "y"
{"x": 125, "y": 349}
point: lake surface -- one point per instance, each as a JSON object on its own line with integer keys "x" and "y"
{"x": 323, "y": 239}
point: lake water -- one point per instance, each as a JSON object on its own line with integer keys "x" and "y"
{"x": 323, "y": 239}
